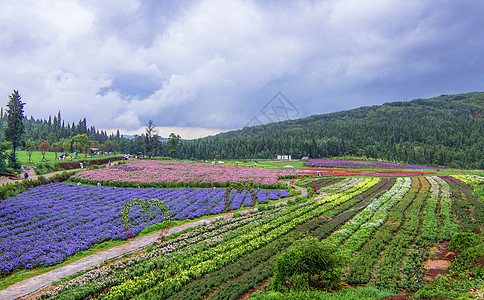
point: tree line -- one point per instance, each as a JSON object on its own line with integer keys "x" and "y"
{"x": 18, "y": 132}
{"x": 441, "y": 131}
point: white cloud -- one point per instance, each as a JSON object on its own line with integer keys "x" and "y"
{"x": 187, "y": 133}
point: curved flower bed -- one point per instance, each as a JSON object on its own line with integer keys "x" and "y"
{"x": 177, "y": 174}
{"x": 45, "y": 224}
{"x": 364, "y": 172}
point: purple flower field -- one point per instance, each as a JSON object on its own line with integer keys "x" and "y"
{"x": 360, "y": 164}
{"x": 43, "y": 225}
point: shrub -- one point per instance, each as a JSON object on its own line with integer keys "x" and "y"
{"x": 445, "y": 287}
{"x": 471, "y": 261}
{"x": 463, "y": 240}
{"x": 307, "y": 265}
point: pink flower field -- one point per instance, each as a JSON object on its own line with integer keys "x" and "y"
{"x": 182, "y": 174}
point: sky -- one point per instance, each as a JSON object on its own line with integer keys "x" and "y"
{"x": 198, "y": 68}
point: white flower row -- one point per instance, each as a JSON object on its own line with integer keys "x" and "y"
{"x": 399, "y": 189}
{"x": 359, "y": 238}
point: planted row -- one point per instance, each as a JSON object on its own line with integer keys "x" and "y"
{"x": 468, "y": 208}
{"x": 362, "y": 267}
{"x": 450, "y": 227}
{"x": 293, "y": 220}
{"x": 170, "y": 272}
{"x": 390, "y": 267}
{"x": 365, "y": 216}
{"x": 366, "y": 230}
{"x": 430, "y": 225}
{"x": 97, "y": 280}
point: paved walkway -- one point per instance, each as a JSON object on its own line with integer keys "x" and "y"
{"x": 29, "y": 286}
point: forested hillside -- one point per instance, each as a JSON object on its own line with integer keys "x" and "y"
{"x": 445, "y": 131}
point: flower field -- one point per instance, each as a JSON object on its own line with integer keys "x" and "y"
{"x": 44, "y": 225}
{"x": 360, "y": 164}
{"x": 174, "y": 174}
{"x": 385, "y": 226}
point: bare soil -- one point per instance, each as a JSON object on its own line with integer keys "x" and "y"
{"x": 438, "y": 263}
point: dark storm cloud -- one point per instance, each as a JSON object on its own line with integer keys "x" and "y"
{"x": 215, "y": 64}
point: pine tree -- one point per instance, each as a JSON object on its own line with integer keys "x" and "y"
{"x": 15, "y": 127}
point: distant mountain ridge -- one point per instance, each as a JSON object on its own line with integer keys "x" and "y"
{"x": 445, "y": 130}
{"x": 131, "y": 137}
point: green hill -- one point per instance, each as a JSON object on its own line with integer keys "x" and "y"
{"x": 445, "y": 131}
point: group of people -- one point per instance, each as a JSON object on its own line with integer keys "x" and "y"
{"x": 63, "y": 157}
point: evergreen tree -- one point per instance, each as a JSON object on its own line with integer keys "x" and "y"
{"x": 173, "y": 141}
{"x": 15, "y": 127}
{"x": 150, "y": 138}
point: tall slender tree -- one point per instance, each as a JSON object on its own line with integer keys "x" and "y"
{"x": 150, "y": 138}
{"x": 15, "y": 126}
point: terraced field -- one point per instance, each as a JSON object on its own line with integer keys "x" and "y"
{"x": 385, "y": 228}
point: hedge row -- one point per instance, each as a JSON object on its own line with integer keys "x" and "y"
{"x": 12, "y": 189}
{"x": 136, "y": 184}
{"x": 69, "y": 165}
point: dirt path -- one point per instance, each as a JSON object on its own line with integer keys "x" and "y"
{"x": 32, "y": 175}
{"x": 30, "y": 286}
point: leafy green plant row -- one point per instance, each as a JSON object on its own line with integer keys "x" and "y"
{"x": 353, "y": 191}
{"x": 340, "y": 186}
{"x": 450, "y": 226}
{"x": 462, "y": 207}
{"x": 390, "y": 266}
{"x": 430, "y": 224}
{"x": 365, "y": 216}
{"x": 318, "y": 184}
{"x": 468, "y": 207}
{"x": 362, "y": 267}
{"x": 347, "y": 210}
{"x": 131, "y": 184}
{"x": 366, "y": 230}
{"x": 475, "y": 181}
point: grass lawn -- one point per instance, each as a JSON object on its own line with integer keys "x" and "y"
{"x": 263, "y": 163}
{"x": 23, "y": 157}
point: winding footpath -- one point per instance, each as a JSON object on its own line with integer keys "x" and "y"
{"x": 26, "y": 288}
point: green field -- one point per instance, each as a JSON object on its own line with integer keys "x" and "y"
{"x": 387, "y": 233}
